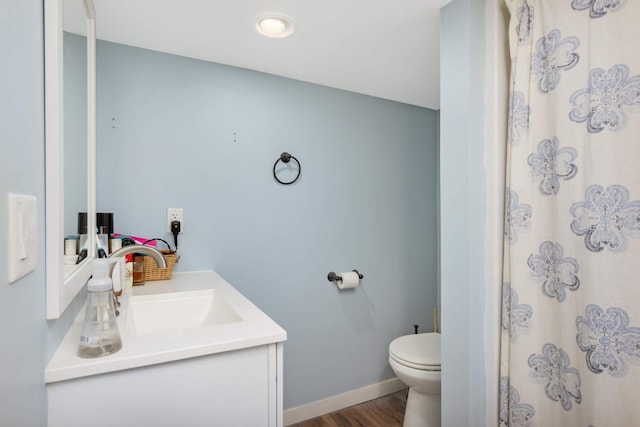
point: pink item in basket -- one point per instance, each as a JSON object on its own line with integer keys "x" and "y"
{"x": 139, "y": 240}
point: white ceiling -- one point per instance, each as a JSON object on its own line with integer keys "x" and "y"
{"x": 383, "y": 48}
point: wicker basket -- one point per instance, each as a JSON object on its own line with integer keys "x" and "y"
{"x": 151, "y": 270}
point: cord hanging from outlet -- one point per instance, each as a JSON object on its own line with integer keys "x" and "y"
{"x": 175, "y": 230}
{"x": 175, "y": 223}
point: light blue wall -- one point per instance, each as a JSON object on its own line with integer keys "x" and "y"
{"x": 463, "y": 211}
{"x": 22, "y": 325}
{"x": 28, "y": 340}
{"x": 366, "y": 200}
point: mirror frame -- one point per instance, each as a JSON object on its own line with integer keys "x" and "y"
{"x": 60, "y": 290}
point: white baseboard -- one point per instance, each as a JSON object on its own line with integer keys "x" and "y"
{"x": 344, "y": 400}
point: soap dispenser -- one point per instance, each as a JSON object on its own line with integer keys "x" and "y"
{"x": 100, "y": 335}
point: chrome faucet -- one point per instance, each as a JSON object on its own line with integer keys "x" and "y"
{"x": 157, "y": 256}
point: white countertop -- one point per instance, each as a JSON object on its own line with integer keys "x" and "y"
{"x": 255, "y": 329}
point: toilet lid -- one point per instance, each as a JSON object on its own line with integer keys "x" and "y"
{"x": 418, "y": 350}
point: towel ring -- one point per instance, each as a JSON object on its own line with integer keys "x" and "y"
{"x": 286, "y": 158}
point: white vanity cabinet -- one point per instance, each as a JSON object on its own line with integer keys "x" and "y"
{"x": 220, "y": 373}
{"x": 235, "y": 388}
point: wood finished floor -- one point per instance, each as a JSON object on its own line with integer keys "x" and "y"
{"x": 386, "y": 411}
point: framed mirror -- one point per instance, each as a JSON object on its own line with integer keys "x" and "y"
{"x": 69, "y": 147}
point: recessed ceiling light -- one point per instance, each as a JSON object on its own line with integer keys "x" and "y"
{"x": 275, "y": 25}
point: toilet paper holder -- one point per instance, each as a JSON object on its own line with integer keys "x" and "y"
{"x": 333, "y": 277}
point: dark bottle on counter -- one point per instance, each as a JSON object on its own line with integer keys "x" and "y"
{"x": 83, "y": 237}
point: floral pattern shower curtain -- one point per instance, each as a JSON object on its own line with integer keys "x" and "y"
{"x": 570, "y": 352}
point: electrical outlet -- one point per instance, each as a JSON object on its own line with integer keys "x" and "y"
{"x": 175, "y": 214}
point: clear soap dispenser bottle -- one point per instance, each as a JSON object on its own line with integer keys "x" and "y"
{"x": 100, "y": 335}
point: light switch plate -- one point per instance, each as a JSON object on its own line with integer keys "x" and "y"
{"x": 23, "y": 235}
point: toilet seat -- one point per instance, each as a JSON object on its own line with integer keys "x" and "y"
{"x": 419, "y": 351}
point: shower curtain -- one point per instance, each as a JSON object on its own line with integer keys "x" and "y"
{"x": 570, "y": 347}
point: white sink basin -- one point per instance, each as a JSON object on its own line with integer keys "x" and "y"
{"x": 190, "y": 315}
{"x": 177, "y": 311}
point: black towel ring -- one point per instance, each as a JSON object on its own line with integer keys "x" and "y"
{"x": 286, "y": 158}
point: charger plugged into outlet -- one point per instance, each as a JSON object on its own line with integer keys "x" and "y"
{"x": 175, "y": 222}
{"x": 174, "y": 214}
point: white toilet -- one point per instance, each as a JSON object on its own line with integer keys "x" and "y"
{"x": 416, "y": 361}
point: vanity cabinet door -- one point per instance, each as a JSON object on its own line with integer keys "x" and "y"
{"x": 224, "y": 389}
